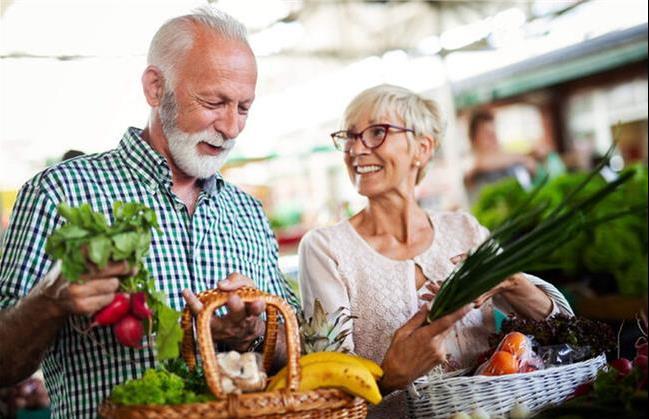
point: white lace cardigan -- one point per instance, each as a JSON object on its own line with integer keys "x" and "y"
{"x": 340, "y": 268}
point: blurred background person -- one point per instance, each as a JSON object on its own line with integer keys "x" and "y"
{"x": 70, "y": 154}
{"x": 489, "y": 162}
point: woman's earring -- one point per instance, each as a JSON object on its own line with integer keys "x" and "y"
{"x": 417, "y": 163}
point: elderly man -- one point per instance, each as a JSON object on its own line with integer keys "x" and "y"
{"x": 200, "y": 84}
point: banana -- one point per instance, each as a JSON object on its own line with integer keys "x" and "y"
{"x": 353, "y": 378}
{"x": 315, "y": 357}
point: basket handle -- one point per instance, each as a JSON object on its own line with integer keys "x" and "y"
{"x": 212, "y": 300}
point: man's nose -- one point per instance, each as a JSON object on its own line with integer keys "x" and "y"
{"x": 230, "y": 124}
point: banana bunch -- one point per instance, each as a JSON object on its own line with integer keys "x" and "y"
{"x": 351, "y": 373}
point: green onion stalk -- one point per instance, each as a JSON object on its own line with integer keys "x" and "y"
{"x": 523, "y": 241}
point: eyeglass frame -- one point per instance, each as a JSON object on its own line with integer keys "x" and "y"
{"x": 359, "y": 135}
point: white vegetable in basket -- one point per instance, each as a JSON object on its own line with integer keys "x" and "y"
{"x": 241, "y": 373}
{"x": 460, "y": 415}
{"x": 519, "y": 411}
{"x": 480, "y": 413}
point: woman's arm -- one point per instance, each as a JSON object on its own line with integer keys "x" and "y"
{"x": 319, "y": 278}
{"x": 529, "y": 297}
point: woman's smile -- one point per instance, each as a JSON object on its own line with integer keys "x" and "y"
{"x": 367, "y": 169}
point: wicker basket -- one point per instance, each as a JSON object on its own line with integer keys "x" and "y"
{"x": 442, "y": 397}
{"x": 286, "y": 403}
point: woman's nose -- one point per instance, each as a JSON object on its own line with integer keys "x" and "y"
{"x": 357, "y": 147}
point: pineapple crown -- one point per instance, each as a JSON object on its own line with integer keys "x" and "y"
{"x": 324, "y": 332}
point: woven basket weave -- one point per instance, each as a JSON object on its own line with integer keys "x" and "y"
{"x": 286, "y": 403}
{"x": 442, "y": 397}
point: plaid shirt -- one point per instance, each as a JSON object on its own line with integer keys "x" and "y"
{"x": 227, "y": 233}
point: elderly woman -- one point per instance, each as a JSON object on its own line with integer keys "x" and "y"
{"x": 385, "y": 261}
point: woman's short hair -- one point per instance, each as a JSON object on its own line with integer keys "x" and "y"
{"x": 421, "y": 114}
{"x": 176, "y": 37}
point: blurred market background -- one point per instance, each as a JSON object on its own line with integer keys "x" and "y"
{"x": 562, "y": 79}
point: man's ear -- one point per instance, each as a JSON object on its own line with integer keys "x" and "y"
{"x": 153, "y": 85}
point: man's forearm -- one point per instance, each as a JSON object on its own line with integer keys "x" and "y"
{"x": 26, "y": 332}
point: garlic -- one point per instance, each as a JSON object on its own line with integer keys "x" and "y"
{"x": 460, "y": 415}
{"x": 241, "y": 372}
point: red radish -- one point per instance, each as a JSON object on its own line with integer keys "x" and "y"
{"x": 139, "y": 307}
{"x": 582, "y": 389}
{"x": 623, "y": 366}
{"x": 129, "y": 331}
{"x": 113, "y": 312}
{"x": 640, "y": 361}
{"x": 641, "y": 347}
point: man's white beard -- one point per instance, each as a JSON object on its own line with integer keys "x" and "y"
{"x": 183, "y": 145}
{"x": 184, "y": 151}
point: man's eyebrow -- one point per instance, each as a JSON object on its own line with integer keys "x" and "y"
{"x": 204, "y": 95}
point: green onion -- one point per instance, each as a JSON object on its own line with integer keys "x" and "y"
{"x": 523, "y": 241}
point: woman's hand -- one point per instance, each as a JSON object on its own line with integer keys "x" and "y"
{"x": 507, "y": 285}
{"x": 416, "y": 348}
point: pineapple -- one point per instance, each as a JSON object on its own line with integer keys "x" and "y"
{"x": 324, "y": 333}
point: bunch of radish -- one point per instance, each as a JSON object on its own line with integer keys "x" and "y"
{"x": 86, "y": 239}
{"x": 126, "y": 314}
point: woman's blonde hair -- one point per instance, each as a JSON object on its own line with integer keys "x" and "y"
{"x": 418, "y": 113}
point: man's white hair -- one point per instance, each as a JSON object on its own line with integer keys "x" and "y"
{"x": 176, "y": 37}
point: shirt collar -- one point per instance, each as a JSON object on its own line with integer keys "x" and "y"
{"x": 152, "y": 167}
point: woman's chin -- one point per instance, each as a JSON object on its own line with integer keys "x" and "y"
{"x": 369, "y": 191}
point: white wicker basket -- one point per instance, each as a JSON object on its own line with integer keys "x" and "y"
{"x": 442, "y": 397}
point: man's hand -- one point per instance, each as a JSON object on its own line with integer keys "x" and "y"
{"x": 242, "y": 324}
{"x": 96, "y": 289}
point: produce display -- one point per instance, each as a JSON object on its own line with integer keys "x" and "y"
{"x": 527, "y": 237}
{"x": 86, "y": 241}
{"x": 619, "y": 391}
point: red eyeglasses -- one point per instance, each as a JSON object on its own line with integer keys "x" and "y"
{"x": 371, "y": 137}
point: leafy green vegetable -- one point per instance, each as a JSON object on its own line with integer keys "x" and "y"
{"x": 194, "y": 379}
{"x": 529, "y": 235}
{"x": 169, "y": 334}
{"x": 87, "y": 238}
{"x": 157, "y": 386}
{"x": 576, "y": 331}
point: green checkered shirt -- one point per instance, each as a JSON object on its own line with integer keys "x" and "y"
{"x": 227, "y": 233}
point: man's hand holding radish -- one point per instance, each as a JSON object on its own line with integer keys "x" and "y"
{"x": 96, "y": 289}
